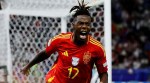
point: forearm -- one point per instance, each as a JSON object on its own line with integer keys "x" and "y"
{"x": 103, "y": 78}
{"x": 38, "y": 58}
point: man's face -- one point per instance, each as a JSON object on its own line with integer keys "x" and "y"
{"x": 81, "y": 27}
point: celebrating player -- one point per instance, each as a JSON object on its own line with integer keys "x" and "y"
{"x": 78, "y": 52}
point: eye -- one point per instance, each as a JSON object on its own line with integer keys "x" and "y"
{"x": 81, "y": 23}
{"x": 88, "y": 24}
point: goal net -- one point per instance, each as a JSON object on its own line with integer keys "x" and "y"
{"x": 31, "y": 23}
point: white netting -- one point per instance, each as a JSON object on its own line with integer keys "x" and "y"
{"x": 28, "y": 36}
{"x": 54, "y": 8}
{"x": 43, "y": 4}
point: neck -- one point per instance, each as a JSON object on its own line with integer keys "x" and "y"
{"x": 78, "y": 41}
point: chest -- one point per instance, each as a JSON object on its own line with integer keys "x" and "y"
{"x": 72, "y": 55}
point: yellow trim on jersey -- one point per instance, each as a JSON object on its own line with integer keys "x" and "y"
{"x": 97, "y": 43}
{"x": 66, "y": 36}
{"x": 53, "y": 66}
{"x": 62, "y": 36}
{"x": 51, "y": 79}
{"x": 94, "y": 40}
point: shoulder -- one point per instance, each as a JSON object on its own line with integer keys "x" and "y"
{"x": 95, "y": 43}
{"x": 61, "y": 36}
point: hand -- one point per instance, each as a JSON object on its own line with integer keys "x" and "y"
{"x": 25, "y": 70}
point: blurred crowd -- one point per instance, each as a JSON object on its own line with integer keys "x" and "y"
{"x": 130, "y": 34}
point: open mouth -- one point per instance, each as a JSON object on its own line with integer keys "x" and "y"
{"x": 83, "y": 34}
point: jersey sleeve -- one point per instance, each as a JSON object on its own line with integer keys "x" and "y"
{"x": 51, "y": 46}
{"x": 101, "y": 62}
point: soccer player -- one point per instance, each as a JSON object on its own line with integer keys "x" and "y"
{"x": 78, "y": 52}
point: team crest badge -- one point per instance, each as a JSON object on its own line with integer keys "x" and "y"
{"x": 75, "y": 61}
{"x": 86, "y": 57}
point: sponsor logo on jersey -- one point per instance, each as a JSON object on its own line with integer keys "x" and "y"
{"x": 75, "y": 61}
{"x": 86, "y": 57}
{"x": 65, "y": 53}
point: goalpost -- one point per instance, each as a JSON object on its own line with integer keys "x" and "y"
{"x": 28, "y": 24}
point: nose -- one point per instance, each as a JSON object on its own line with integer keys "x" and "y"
{"x": 84, "y": 26}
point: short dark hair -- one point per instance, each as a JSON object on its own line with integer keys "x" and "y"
{"x": 0, "y": 5}
{"x": 82, "y": 9}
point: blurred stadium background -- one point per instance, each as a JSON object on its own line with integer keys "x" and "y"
{"x": 25, "y": 28}
{"x": 131, "y": 40}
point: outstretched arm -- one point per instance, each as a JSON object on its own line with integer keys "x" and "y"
{"x": 104, "y": 77}
{"x": 38, "y": 58}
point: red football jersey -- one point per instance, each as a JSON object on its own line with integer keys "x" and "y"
{"x": 74, "y": 63}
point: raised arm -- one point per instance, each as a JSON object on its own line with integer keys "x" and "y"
{"x": 38, "y": 58}
{"x": 50, "y": 48}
